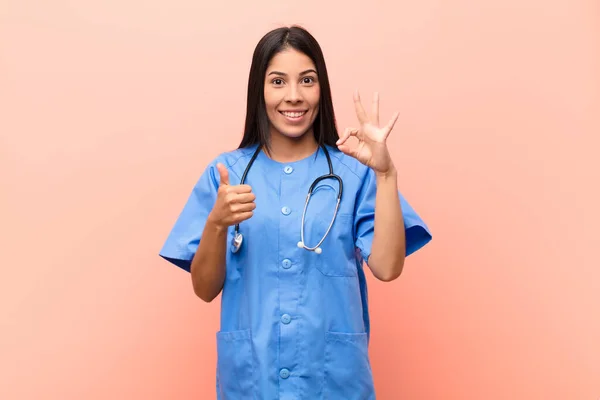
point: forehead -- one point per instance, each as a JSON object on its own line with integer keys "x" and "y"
{"x": 291, "y": 62}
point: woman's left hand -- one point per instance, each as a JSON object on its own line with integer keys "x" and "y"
{"x": 371, "y": 149}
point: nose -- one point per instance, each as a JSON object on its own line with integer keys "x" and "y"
{"x": 293, "y": 94}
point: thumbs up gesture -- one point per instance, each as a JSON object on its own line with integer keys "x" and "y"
{"x": 235, "y": 203}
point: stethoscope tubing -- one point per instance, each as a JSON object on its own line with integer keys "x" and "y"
{"x": 238, "y": 237}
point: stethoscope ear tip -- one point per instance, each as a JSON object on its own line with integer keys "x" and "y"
{"x": 318, "y": 250}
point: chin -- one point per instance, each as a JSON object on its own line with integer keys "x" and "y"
{"x": 294, "y": 133}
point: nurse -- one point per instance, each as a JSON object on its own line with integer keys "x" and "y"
{"x": 294, "y": 309}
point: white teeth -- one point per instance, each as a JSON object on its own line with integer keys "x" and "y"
{"x": 293, "y": 114}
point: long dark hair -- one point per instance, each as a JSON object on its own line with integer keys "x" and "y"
{"x": 256, "y": 130}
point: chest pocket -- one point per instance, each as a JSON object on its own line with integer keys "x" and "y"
{"x": 338, "y": 248}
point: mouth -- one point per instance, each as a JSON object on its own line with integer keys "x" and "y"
{"x": 294, "y": 116}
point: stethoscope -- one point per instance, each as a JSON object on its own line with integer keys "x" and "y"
{"x": 238, "y": 238}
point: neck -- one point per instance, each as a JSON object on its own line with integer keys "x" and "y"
{"x": 285, "y": 149}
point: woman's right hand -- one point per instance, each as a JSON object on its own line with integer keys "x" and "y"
{"x": 235, "y": 203}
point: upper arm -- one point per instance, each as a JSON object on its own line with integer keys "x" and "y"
{"x": 416, "y": 230}
{"x": 183, "y": 240}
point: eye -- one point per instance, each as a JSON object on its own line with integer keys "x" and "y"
{"x": 308, "y": 80}
{"x": 277, "y": 81}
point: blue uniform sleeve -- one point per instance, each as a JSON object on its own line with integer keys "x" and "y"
{"x": 416, "y": 231}
{"x": 183, "y": 240}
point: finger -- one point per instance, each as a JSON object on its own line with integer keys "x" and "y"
{"x": 223, "y": 174}
{"x": 240, "y": 189}
{"x": 360, "y": 111}
{"x": 238, "y": 208}
{"x": 390, "y": 125}
{"x": 347, "y": 150}
{"x": 375, "y": 109}
{"x": 342, "y": 138}
{"x": 244, "y": 198}
{"x": 347, "y": 133}
{"x": 232, "y": 198}
{"x": 344, "y": 148}
{"x": 242, "y": 216}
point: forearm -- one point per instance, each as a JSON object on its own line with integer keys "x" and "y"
{"x": 389, "y": 244}
{"x": 208, "y": 265}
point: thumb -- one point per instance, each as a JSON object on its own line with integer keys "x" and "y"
{"x": 223, "y": 174}
{"x": 344, "y": 148}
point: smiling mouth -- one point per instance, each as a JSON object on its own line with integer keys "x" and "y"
{"x": 293, "y": 114}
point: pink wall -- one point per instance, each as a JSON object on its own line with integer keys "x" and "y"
{"x": 107, "y": 109}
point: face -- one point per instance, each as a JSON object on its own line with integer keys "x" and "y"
{"x": 291, "y": 93}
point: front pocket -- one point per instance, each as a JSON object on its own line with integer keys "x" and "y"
{"x": 235, "y": 364}
{"x": 347, "y": 372}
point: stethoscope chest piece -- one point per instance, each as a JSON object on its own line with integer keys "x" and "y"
{"x": 236, "y": 242}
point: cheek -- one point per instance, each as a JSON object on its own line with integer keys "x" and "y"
{"x": 315, "y": 106}
{"x": 273, "y": 115}
{"x": 271, "y": 99}
{"x": 270, "y": 107}
{"x": 315, "y": 99}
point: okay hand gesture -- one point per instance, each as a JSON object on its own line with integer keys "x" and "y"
{"x": 371, "y": 149}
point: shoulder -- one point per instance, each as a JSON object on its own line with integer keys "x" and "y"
{"x": 349, "y": 167}
{"x": 234, "y": 157}
{"x": 234, "y": 160}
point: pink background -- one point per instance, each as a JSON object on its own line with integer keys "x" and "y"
{"x": 107, "y": 113}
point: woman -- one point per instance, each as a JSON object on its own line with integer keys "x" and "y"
{"x": 294, "y": 314}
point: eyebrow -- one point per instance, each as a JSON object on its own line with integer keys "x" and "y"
{"x": 301, "y": 73}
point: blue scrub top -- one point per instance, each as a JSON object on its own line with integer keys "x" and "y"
{"x": 294, "y": 324}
